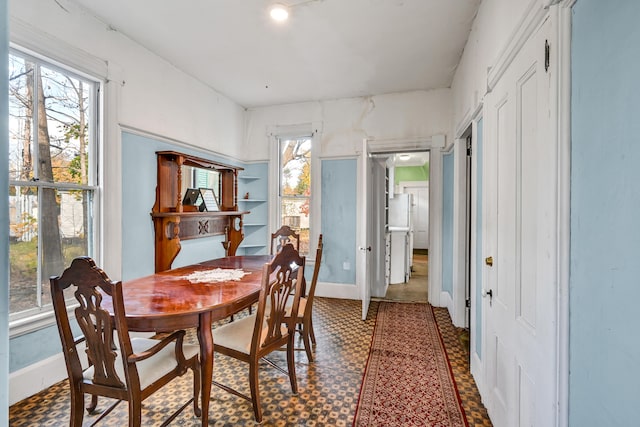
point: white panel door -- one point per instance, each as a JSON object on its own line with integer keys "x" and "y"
{"x": 419, "y": 216}
{"x": 520, "y": 286}
{"x": 365, "y": 225}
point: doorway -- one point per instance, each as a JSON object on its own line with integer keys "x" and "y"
{"x": 407, "y": 226}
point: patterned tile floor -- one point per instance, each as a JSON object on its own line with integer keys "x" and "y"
{"x": 328, "y": 388}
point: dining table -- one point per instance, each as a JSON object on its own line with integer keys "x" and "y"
{"x": 187, "y": 297}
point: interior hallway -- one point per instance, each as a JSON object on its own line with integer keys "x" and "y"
{"x": 456, "y": 340}
{"x": 415, "y": 290}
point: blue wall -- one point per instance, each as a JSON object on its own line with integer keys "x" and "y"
{"x": 4, "y": 214}
{"x": 605, "y": 205}
{"x": 447, "y": 223}
{"x": 338, "y": 220}
{"x": 139, "y": 175}
{"x": 478, "y": 207}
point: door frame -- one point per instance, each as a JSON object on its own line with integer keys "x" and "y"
{"x": 433, "y": 144}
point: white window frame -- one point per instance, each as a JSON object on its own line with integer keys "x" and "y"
{"x": 295, "y": 131}
{"x": 29, "y": 41}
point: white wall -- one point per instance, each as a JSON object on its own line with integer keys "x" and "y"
{"x": 346, "y": 122}
{"x": 495, "y": 22}
{"x": 156, "y": 96}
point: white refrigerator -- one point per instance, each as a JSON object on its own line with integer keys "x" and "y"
{"x": 401, "y": 246}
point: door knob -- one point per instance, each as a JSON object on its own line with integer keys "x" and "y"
{"x": 489, "y": 294}
{"x": 489, "y": 261}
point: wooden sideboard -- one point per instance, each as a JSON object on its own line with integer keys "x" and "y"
{"x": 174, "y": 222}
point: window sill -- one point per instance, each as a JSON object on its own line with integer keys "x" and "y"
{"x": 33, "y": 323}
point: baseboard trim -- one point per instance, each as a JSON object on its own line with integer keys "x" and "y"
{"x": 36, "y": 377}
{"x": 337, "y": 290}
{"x": 446, "y": 301}
{"x": 40, "y": 375}
{"x": 478, "y": 373}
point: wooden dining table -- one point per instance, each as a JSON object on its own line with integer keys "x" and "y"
{"x": 168, "y": 301}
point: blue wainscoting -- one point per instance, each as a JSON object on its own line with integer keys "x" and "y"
{"x": 339, "y": 194}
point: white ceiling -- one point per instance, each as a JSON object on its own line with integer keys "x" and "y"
{"x": 327, "y": 49}
{"x": 408, "y": 159}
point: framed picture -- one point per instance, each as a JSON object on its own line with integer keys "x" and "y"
{"x": 191, "y": 197}
{"x": 209, "y": 202}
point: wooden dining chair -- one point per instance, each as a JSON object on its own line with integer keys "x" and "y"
{"x": 118, "y": 367}
{"x": 304, "y": 319}
{"x": 282, "y": 236}
{"x": 251, "y": 338}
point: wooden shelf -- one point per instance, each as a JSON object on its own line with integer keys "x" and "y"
{"x": 174, "y": 222}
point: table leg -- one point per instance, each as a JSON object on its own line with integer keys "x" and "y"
{"x": 205, "y": 338}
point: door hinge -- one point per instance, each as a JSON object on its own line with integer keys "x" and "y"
{"x": 547, "y": 55}
{"x": 469, "y": 146}
{"x": 467, "y": 303}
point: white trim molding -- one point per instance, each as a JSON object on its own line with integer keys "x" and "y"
{"x": 36, "y": 377}
{"x": 36, "y": 42}
{"x": 337, "y": 290}
{"x": 534, "y": 15}
{"x": 561, "y": 109}
{"x": 377, "y": 146}
{"x": 446, "y": 301}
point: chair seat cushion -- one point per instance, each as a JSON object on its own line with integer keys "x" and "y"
{"x": 237, "y": 335}
{"x": 302, "y": 305}
{"x": 156, "y": 366}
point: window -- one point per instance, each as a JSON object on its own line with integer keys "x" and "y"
{"x": 295, "y": 186}
{"x": 53, "y": 116}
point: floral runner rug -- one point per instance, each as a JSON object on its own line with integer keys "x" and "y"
{"x": 408, "y": 379}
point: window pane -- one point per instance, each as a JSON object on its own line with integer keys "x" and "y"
{"x": 65, "y": 217}
{"x": 20, "y": 119}
{"x": 295, "y": 186}
{"x": 295, "y": 213}
{"x": 23, "y": 248}
{"x": 63, "y": 143}
{"x": 295, "y": 167}
{"x": 65, "y": 236}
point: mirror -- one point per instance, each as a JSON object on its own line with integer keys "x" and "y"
{"x": 193, "y": 177}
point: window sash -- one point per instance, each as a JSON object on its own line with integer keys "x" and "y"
{"x": 39, "y": 314}
{"x": 296, "y": 200}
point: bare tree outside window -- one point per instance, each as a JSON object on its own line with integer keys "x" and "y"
{"x": 51, "y": 113}
{"x": 295, "y": 186}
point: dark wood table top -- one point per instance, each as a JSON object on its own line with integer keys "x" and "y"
{"x": 167, "y": 301}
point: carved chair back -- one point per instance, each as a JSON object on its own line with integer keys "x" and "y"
{"x": 282, "y": 280}
{"x": 282, "y": 236}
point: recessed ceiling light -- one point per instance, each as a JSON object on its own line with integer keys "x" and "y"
{"x": 279, "y": 12}
{"x": 404, "y": 157}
